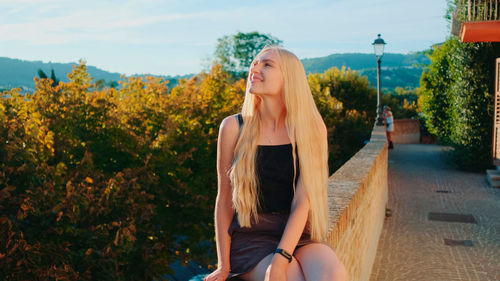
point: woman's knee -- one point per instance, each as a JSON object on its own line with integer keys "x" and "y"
{"x": 334, "y": 270}
{"x": 293, "y": 272}
{"x": 339, "y": 272}
{"x": 319, "y": 262}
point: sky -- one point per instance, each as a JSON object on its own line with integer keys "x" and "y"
{"x": 176, "y": 37}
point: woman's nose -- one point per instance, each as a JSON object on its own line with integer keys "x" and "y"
{"x": 255, "y": 68}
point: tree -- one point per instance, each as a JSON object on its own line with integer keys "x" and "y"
{"x": 236, "y": 52}
{"x": 348, "y": 87}
{"x": 42, "y": 75}
{"x": 101, "y": 84}
{"x": 346, "y": 102}
{"x": 403, "y": 102}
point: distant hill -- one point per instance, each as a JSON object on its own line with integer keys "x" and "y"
{"x": 403, "y": 70}
{"x": 20, "y": 73}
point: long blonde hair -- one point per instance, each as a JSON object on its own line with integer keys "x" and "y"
{"x": 305, "y": 129}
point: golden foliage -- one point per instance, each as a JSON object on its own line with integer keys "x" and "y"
{"x": 103, "y": 183}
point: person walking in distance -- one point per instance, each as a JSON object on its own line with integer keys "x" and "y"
{"x": 389, "y": 125}
{"x": 271, "y": 212}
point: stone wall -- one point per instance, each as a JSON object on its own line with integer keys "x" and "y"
{"x": 358, "y": 195}
{"x": 406, "y": 131}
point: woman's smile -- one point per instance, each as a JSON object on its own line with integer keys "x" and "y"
{"x": 255, "y": 78}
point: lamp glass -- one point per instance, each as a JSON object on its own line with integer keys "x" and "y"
{"x": 379, "y": 49}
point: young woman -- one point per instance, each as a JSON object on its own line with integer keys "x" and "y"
{"x": 272, "y": 162}
{"x": 389, "y": 125}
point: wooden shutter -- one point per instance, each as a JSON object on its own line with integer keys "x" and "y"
{"x": 496, "y": 129}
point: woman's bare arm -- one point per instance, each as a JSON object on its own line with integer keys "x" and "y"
{"x": 298, "y": 215}
{"x": 297, "y": 220}
{"x": 293, "y": 230}
{"x": 224, "y": 210}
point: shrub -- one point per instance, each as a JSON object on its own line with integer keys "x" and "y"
{"x": 108, "y": 184}
{"x": 348, "y": 104}
{"x": 457, "y": 100}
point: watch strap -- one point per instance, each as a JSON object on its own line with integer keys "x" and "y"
{"x": 285, "y": 254}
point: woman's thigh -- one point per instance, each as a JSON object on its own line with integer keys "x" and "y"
{"x": 319, "y": 262}
{"x": 258, "y": 273}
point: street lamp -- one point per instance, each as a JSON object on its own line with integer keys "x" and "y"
{"x": 378, "y": 46}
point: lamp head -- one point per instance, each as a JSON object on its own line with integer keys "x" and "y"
{"x": 378, "y": 46}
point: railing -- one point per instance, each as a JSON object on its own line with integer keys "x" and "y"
{"x": 477, "y": 10}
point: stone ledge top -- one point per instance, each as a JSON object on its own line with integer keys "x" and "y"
{"x": 345, "y": 182}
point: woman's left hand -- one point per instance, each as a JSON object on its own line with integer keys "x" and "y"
{"x": 277, "y": 269}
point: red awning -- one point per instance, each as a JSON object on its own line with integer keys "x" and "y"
{"x": 481, "y": 31}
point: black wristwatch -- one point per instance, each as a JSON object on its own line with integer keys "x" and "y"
{"x": 284, "y": 253}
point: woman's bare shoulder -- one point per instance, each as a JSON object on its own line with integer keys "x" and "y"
{"x": 229, "y": 128}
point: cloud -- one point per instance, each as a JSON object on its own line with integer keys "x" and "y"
{"x": 118, "y": 25}
{"x": 17, "y": 2}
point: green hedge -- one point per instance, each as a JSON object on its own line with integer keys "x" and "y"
{"x": 457, "y": 100}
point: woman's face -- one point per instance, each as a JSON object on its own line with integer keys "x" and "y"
{"x": 265, "y": 75}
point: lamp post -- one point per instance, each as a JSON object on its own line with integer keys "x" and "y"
{"x": 378, "y": 46}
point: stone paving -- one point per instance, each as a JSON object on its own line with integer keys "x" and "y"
{"x": 411, "y": 246}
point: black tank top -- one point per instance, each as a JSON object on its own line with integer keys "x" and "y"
{"x": 274, "y": 167}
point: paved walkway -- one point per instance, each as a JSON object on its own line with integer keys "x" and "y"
{"x": 412, "y": 245}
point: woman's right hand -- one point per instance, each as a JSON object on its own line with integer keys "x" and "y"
{"x": 220, "y": 274}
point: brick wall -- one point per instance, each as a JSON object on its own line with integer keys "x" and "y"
{"x": 358, "y": 195}
{"x": 406, "y": 131}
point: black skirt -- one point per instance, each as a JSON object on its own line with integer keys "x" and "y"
{"x": 249, "y": 245}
